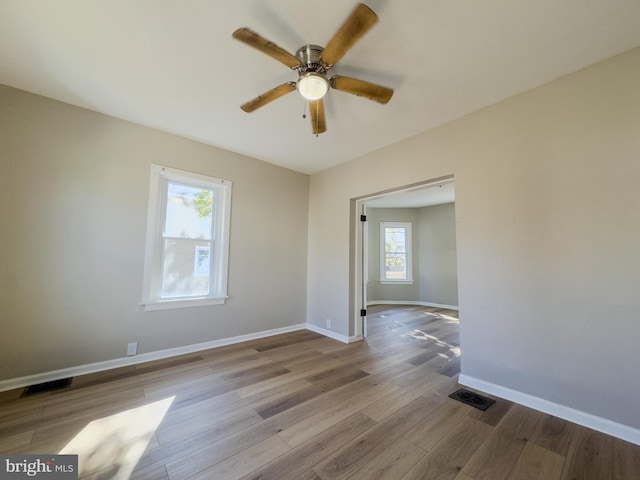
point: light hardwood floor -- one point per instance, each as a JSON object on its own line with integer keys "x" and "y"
{"x": 301, "y": 406}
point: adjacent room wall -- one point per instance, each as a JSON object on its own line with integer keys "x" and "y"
{"x": 438, "y": 279}
{"x": 547, "y": 231}
{"x": 434, "y": 256}
{"x": 73, "y": 209}
{"x": 400, "y": 292}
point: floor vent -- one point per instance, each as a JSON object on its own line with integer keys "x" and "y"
{"x": 46, "y": 387}
{"x": 473, "y": 399}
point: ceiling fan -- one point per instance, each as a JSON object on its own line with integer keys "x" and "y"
{"x": 312, "y": 62}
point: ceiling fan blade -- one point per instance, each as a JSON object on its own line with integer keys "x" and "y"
{"x": 270, "y": 96}
{"x": 318, "y": 124}
{"x": 355, "y": 26}
{"x": 254, "y": 40}
{"x": 361, "y": 88}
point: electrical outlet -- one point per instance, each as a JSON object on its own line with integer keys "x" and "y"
{"x": 132, "y": 349}
{"x": 328, "y": 323}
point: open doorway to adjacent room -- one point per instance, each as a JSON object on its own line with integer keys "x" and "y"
{"x": 404, "y": 251}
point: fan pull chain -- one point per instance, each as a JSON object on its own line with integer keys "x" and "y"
{"x": 304, "y": 115}
{"x": 317, "y": 118}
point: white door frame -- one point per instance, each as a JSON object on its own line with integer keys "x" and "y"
{"x": 360, "y": 271}
{"x": 360, "y": 252}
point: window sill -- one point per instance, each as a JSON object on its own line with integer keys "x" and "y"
{"x": 183, "y": 303}
{"x": 396, "y": 282}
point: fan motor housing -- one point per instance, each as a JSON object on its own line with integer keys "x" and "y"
{"x": 310, "y": 61}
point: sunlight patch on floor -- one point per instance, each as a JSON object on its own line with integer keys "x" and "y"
{"x": 442, "y": 316}
{"x": 420, "y": 335}
{"x": 449, "y": 319}
{"x": 116, "y": 443}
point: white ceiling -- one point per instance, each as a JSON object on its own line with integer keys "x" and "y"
{"x": 173, "y": 65}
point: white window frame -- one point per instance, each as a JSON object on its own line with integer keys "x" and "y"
{"x": 383, "y": 252}
{"x": 160, "y": 176}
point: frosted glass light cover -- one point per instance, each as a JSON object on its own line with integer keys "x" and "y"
{"x": 312, "y": 86}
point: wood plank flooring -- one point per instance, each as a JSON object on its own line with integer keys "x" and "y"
{"x": 301, "y": 406}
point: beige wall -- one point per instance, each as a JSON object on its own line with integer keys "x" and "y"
{"x": 434, "y": 255}
{"x": 376, "y": 290}
{"x": 74, "y": 192}
{"x": 548, "y": 237}
{"x": 438, "y": 273}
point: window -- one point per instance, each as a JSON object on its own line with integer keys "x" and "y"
{"x": 187, "y": 240}
{"x": 395, "y": 252}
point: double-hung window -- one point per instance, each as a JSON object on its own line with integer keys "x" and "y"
{"x": 395, "y": 252}
{"x": 187, "y": 247}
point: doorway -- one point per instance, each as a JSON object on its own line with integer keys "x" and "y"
{"x": 423, "y": 274}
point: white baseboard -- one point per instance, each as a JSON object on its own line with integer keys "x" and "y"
{"x": 37, "y": 378}
{"x": 412, "y": 302}
{"x": 588, "y": 420}
{"x": 332, "y": 334}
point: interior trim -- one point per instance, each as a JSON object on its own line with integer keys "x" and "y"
{"x": 334, "y": 335}
{"x": 588, "y": 420}
{"x": 43, "y": 377}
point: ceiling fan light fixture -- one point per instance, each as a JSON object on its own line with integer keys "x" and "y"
{"x": 312, "y": 62}
{"x": 312, "y": 86}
